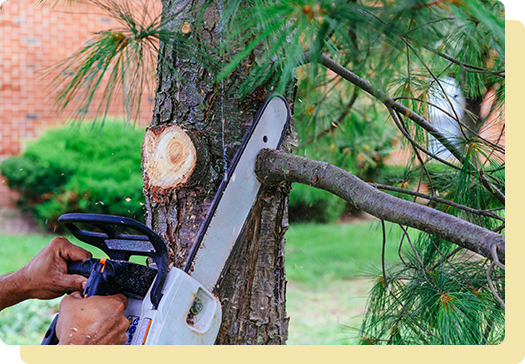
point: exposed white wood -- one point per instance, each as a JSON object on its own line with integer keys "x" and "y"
{"x": 169, "y": 157}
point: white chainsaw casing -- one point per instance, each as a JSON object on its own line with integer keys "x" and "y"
{"x": 173, "y": 323}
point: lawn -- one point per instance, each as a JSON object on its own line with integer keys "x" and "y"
{"x": 326, "y": 293}
{"x": 328, "y": 269}
{"x": 316, "y": 254}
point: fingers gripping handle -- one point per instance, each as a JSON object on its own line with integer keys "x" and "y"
{"x": 97, "y": 284}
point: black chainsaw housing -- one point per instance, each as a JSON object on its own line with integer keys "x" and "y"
{"x": 120, "y": 246}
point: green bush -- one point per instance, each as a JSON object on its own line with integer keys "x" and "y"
{"x": 88, "y": 168}
{"x": 311, "y": 204}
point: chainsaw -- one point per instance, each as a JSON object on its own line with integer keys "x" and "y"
{"x": 170, "y": 305}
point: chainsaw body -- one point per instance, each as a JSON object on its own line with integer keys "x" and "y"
{"x": 168, "y": 305}
{"x": 188, "y": 314}
{"x": 165, "y": 305}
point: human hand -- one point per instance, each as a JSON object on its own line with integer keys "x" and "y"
{"x": 45, "y": 276}
{"x": 96, "y": 320}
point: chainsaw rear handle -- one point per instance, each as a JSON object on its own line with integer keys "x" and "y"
{"x": 119, "y": 246}
{"x": 50, "y": 338}
{"x": 107, "y": 277}
{"x": 80, "y": 268}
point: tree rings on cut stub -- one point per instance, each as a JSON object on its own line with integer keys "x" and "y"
{"x": 169, "y": 158}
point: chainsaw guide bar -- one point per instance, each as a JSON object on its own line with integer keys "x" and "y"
{"x": 238, "y": 191}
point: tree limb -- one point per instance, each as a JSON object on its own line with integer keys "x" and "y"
{"x": 275, "y": 166}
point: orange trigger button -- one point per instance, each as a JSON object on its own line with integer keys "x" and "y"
{"x": 103, "y": 261}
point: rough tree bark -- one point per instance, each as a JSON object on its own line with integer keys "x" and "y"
{"x": 211, "y": 119}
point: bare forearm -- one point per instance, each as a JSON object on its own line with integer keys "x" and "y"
{"x": 45, "y": 276}
{"x": 12, "y": 289}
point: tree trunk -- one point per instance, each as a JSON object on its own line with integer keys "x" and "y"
{"x": 214, "y": 119}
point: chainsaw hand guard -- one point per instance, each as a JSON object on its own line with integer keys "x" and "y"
{"x": 119, "y": 246}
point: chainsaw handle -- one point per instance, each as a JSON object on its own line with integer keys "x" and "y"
{"x": 80, "y": 268}
{"x": 120, "y": 246}
{"x": 50, "y": 338}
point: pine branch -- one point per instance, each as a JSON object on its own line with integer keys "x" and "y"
{"x": 341, "y": 117}
{"x": 274, "y": 166}
{"x": 463, "y": 125}
{"x": 401, "y": 125}
{"x": 495, "y": 261}
{"x": 438, "y": 200}
{"x": 403, "y": 110}
{"x": 389, "y": 289}
{"x": 464, "y": 66}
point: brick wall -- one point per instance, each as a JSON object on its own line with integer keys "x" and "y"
{"x": 34, "y": 37}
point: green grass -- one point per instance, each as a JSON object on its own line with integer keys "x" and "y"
{"x": 319, "y": 253}
{"x": 27, "y": 322}
{"x": 325, "y": 315}
{"x": 17, "y": 250}
{"x": 325, "y": 266}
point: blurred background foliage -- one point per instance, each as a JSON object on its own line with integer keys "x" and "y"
{"x": 91, "y": 168}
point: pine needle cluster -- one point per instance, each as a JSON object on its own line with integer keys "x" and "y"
{"x": 436, "y": 295}
{"x": 118, "y": 65}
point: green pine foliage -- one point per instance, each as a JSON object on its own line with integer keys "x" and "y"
{"x": 433, "y": 298}
{"x": 118, "y": 65}
{"x": 437, "y": 294}
{"x": 80, "y": 168}
{"x": 398, "y": 51}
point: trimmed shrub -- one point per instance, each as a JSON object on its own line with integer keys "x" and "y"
{"x": 312, "y": 204}
{"x": 91, "y": 168}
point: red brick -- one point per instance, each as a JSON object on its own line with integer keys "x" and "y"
{"x": 35, "y": 37}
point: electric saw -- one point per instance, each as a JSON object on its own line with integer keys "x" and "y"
{"x": 168, "y": 305}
